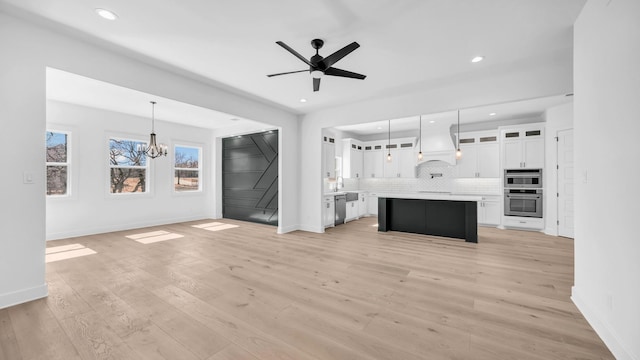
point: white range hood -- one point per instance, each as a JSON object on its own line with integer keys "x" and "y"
{"x": 437, "y": 143}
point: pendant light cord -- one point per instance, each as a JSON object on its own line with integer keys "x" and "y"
{"x": 458, "y": 148}
{"x": 389, "y": 139}
{"x": 421, "y": 134}
{"x": 153, "y": 116}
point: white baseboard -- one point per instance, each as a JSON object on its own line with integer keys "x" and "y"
{"x": 23, "y": 296}
{"x": 310, "y": 228}
{"x": 551, "y": 231}
{"x": 120, "y": 227}
{"x": 287, "y": 229}
{"x": 600, "y": 327}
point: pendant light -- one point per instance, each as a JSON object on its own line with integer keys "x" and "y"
{"x": 458, "y": 151}
{"x": 154, "y": 150}
{"x": 420, "y": 153}
{"x": 389, "y": 144}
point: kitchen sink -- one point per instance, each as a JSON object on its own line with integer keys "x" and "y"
{"x": 352, "y": 196}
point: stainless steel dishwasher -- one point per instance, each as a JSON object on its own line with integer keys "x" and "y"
{"x": 341, "y": 209}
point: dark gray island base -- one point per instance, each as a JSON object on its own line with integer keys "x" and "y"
{"x": 455, "y": 219}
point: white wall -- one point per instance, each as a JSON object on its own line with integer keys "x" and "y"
{"x": 22, "y": 206}
{"x": 27, "y": 50}
{"x": 90, "y": 209}
{"x": 607, "y": 157}
{"x": 557, "y": 118}
{"x": 524, "y": 81}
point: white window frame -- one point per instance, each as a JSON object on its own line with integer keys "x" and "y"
{"x": 198, "y": 169}
{"x": 67, "y": 163}
{"x": 146, "y": 167}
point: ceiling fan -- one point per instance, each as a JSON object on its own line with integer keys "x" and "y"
{"x": 319, "y": 65}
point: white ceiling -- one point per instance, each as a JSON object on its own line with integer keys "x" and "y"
{"x": 404, "y": 44}
{"x": 76, "y": 89}
{"x": 526, "y": 109}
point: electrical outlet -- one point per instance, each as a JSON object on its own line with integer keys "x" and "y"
{"x": 27, "y": 177}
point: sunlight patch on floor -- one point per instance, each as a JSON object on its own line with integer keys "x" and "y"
{"x": 211, "y": 224}
{"x": 57, "y": 249}
{"x": 154, "y": 236}
{"x": 147, "y": 234}
{"x": 215, "y": 226}
{"x": 64, "y": 252}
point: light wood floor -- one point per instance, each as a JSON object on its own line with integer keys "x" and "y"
{"x": 351, "y": 293}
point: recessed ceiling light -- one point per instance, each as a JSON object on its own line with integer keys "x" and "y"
{"x": 379, "y": 127}
{"x": 492, "y": 114}
{"x": 477, "y": 59}
{"x": 107, "y": 14}
{"x": 303, "y": 100}
{"x": 431, "y": 121}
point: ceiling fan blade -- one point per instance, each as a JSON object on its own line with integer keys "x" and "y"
{"x": 344, "y": 73}
{"x": 285, "y": 73}
{"x": 336, "y": 56}
{"x": 295, "y": 53}
{"x": 316, "y": 84}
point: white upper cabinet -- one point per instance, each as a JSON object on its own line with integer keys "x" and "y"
{"x": 480, "y": 155}
{"x": 328, "y": 157}
{"x": 407, "y": 160}
{"x": 523, "y": 147}
{"x": 352, "y": 159}
{"x": 403, "y": 160}
{"x": 373, "y": 158}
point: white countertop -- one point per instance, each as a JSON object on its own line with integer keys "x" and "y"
{"x": 334, "y": 193}
{"x": 430, "y": 196}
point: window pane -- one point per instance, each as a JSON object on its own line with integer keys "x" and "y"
{"x": 56, "y": 147}
{"x": 127, "y": 180}
{"x": 56, "y": 180}
{"x": 126, "y": 153}
{"x": 186, "y": 157}
{"x": 186, "y": 180}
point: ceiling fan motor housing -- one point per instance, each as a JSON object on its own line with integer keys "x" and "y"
{"x": 317, "y": 43}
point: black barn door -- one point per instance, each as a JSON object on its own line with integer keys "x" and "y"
{"x": 250, "y": 177}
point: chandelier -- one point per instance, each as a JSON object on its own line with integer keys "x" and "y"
{"x": 154, "y": 150}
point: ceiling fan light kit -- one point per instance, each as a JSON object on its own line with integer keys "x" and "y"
{"x": 320, "y": 66}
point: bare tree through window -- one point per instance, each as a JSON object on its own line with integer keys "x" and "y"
{"x": 128, "y": 166}
{"x": 57, "y": 160}
{"x": 187, "y": 168}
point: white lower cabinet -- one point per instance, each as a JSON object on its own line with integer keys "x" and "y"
{"x": 329, "y": 208}
{"x": 362, "y": 205}
{"x": 523, "y": 222}
{"x": 372, "y": 204}
{"x": 352, "y": 211}
{"x": 489, "y": 211}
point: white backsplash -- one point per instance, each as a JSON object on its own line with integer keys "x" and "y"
{"x": 432, "y": 176}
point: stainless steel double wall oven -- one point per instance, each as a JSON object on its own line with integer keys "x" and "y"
{"x": 523, "y": 192}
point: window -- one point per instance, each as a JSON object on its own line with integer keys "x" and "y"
{"x": 57, "y": 143}
{"x": 187, "y": 168}
{"x": 128, "y": 166}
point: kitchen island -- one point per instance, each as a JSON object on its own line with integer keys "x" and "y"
{"x": 447, "y": 215}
